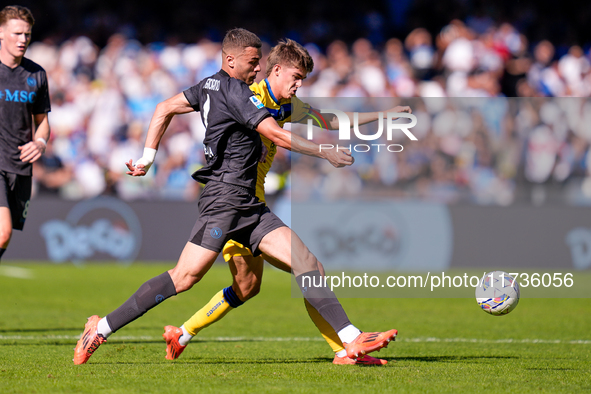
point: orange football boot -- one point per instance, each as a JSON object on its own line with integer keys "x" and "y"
{"x": 88, "y": 342}
{"x": 368, "y": 342}
{"x": 173, "y": 347}
{"x": 365, "y": 360}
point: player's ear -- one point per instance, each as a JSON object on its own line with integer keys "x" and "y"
{"x": 277, "y": 69}
{"x": 231, "y": 60}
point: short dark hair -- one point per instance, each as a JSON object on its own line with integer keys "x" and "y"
{"x": 239, "y": 38}
{"x": 16, "y": 12}
{"x": 290, "y": 53}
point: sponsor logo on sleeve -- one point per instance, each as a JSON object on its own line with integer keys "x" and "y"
{"x": 256, "y": 102}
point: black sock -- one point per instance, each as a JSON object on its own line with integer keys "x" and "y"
{"x": 150, "y": 294}
{"x": 323, "y": 299}
{"x": 2, "y": 252}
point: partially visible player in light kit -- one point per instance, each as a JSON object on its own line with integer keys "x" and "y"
{"x": 24, "y": 104}
{"x": 288, "y": 65}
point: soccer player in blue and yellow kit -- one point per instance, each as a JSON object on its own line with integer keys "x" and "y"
{"x": 288, "y": 65}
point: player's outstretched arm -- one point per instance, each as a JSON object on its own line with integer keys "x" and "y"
{"x": 163, "y": 114}
{"x": 285, "y": 139}
{"x": 32, "y": 151}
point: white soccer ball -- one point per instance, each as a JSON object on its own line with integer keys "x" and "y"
{"x": 497, "y": 293}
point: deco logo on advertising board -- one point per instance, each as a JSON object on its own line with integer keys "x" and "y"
{"x": 103, "y": 228}
{"x": 370, "y": 235}
{"x": 377, "y": 236}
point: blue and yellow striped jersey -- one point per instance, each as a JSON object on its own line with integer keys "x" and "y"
{"x": 283, "y": 111}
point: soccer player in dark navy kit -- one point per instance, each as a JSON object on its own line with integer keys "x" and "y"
{"x": 228, "y": 207}
{"x": 24, "y": 128}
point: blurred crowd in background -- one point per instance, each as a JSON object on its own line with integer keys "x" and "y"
{"x": 490, "y": 149}
{"x": 486, "y": 150}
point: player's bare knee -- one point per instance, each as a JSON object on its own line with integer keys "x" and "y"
{"x": 184, "y": 285}
{"x": 252, "y": 291}
{"x": 321, "y": 268}
{"x": 5, "y": 235}
{"x": 246, "y": 289}
{"x": 309, "y": 262}
{"x": 183, "y": 281}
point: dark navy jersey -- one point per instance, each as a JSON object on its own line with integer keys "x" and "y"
{"x": 23, "y": 93}
{"x": 230, "y": 112}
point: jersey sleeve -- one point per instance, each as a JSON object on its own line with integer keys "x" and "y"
{"x": 256, "y": 89}
{"x": 192, "y": 96}
{"x": 299, "y": 110}
{"x": 42, "y": 104}
{"x": 246, "y": 108}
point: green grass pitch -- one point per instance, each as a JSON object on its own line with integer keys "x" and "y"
{"x": 270, "y": 345}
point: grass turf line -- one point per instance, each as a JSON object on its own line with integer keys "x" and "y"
{"x": 58, "y": 298}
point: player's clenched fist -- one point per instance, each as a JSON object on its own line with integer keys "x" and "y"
{"x": 401, "y": 109}
{"x": 339, "y": 157}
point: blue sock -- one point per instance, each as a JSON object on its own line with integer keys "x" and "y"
{"x": 232, "y": 298}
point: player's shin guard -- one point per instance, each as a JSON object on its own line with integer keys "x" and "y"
{"x": 323, "y": 299}
{"x": 150, "y": 294}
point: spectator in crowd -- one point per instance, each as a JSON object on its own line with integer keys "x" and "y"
{"x": 478, "y": 152}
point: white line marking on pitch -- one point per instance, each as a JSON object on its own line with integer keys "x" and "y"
{"x": 16, "y": 272}
{"x": 303, "y": 339}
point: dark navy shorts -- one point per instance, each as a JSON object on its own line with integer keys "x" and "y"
{"x": 15, "y": 194}
{"x": 232, "y": 212}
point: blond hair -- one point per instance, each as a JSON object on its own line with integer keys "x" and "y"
{"x": 16, "y": 12}
{"x": 290, "y": 53}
